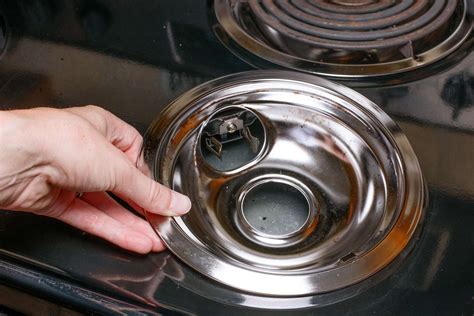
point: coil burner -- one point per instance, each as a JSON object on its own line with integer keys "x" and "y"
{"x": 299, "y": 186}
{"x": 345, "y": 38}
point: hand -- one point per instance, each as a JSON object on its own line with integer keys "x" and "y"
{"x": 48, "y": 155}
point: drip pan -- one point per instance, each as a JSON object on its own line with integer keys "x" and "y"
{"x": 299, "y": 185}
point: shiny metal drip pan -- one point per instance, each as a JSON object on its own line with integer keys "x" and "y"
{"x": 299, "y": 185}
{"x": 342, "y": 39}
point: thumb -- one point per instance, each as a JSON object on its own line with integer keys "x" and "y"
{"x": 153, "y": 197}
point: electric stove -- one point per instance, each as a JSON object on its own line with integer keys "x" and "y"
{"x": 134, "y": 57}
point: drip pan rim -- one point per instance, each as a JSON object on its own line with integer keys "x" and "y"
{"x": 196, "y": 105}
{"x": 246, "y": 47}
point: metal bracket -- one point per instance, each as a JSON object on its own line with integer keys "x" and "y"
{"x": 230, "y": 128}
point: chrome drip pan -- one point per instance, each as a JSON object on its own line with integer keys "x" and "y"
{"x": 299, "y": 185}
{"x": 342, "y": 39}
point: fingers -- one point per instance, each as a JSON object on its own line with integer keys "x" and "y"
{"x": 88, "y": 150}
{"x": 108, "y": 205}
{"x": 127, "y": 181}
{"x": 133, "y": 185}
{"x": 104, "y": 167}
{"x": 84, "y": 216}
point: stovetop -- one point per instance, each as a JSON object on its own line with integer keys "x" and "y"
{"x": 133, "y": 58}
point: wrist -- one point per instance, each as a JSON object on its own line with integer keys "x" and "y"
{"x": 8, "y": 126}
{"x": 21, "y": 160}
{"x": 12, "y": 130}
{"x": 20, "y": 142}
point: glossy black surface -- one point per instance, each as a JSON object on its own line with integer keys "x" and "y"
{"x": 132, "y": 58}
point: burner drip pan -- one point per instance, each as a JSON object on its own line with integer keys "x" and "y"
{"x": 344, "y": 38}
{"x": 299, "y": 186}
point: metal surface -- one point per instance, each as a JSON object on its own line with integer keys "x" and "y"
{"x": 63, "y": 53}
{"x": 326, "y": 150}
{"x": 343, "y": 40}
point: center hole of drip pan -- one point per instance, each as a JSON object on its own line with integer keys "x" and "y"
{"x": 275, "y": 209}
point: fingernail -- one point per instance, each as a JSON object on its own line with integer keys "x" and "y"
{"x": 180, "y": 204}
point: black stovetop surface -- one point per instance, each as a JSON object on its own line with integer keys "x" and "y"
{"x": 132, "y": 58}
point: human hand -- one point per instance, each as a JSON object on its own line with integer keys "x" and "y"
{"x": 48, "y": 155}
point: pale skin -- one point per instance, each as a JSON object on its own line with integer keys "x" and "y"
{"x": 49, "y": 155}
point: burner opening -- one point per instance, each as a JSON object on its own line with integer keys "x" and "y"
{"x": 275, "y": 208}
